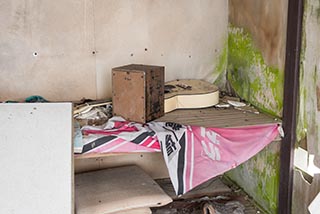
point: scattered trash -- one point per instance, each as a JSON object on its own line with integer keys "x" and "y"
{"x": 77, "y": 137}
{"x": 93, "y": 113}
{"x": 95, "y": 117}
{"x": 87, "y": 106}
{"x": 222, "y": 105}
{"x": 231, "y": 207}
{"x": 30, "y": 99}
{"x": 207, "y": 198}
{"x": 35, "y": 99}
{"x": 236, "y": 103}
{"x": 226, "y": 98}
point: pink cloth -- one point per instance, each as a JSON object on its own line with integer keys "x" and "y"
{"x": 195, "y": 154}
{"x": 118, "y": 135}
{"x": 192, "y": 154}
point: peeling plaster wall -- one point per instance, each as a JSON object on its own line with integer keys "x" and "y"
{"x": 259, "y": 177}
{"x": 308, "y": 130}
{"x": 257, "y": 51}
{"x": 64, "y": 49}
{"x": 309, "y": 108}
{"x": 255, "y": 71}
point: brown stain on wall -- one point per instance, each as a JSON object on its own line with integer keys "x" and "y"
{"x": 266, "y": 21}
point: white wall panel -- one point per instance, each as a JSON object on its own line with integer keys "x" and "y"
{"x": 36, "y": 158}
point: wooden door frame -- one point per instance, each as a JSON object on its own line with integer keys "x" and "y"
{"x": 290, "y": 103}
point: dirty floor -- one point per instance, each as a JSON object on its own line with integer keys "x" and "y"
{"x": 216, "y": 196}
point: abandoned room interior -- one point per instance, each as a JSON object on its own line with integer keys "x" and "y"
{"x": 144, "y": 106}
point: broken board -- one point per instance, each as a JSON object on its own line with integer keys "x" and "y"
{"x": 117, "y": 189}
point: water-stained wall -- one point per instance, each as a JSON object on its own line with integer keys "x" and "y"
{"x": 64, "y": 49}
{"x": 309, "y": 106}
{"x": 255, "y": 71}
{"x": 308, "y": 130}
{"x": 257, "y": 52}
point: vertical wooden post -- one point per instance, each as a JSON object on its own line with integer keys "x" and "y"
{"x": 291, "y": 90}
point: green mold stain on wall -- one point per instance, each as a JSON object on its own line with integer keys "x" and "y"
{"x": 250, "y": 77}
{"x": 259, "y": 177}
{"x": 262, "y": 86}
{"x": 219, "y": 72}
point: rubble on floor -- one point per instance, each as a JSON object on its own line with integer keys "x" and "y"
{"x": 212, "y": 197}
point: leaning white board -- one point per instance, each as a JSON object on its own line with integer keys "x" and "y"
{"x": 36, "y": 158}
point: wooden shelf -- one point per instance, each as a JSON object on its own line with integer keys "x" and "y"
{"x": 208, "y": 117}
{"x": 214, "y": 117}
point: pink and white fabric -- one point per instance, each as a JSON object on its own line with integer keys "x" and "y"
{"x": 195, "y": 154}
{"x": 192, "y": 154}
{"x": 118, "y": 135}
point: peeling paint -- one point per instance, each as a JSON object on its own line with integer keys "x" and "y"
{"x": 249, "y": 75}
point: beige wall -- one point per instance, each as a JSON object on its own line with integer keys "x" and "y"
{"x": 186, "y": 36}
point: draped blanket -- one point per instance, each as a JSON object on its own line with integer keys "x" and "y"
{"x": 192, "y": 154}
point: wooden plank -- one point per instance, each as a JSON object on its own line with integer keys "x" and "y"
{"x": 36, "y": 157}
{"x": 207, "y": 117}
{"x": 116, "y": 189}
{"x": 214, "y": 117}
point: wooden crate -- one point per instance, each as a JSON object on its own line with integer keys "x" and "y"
{"x": 138, "y": 92}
